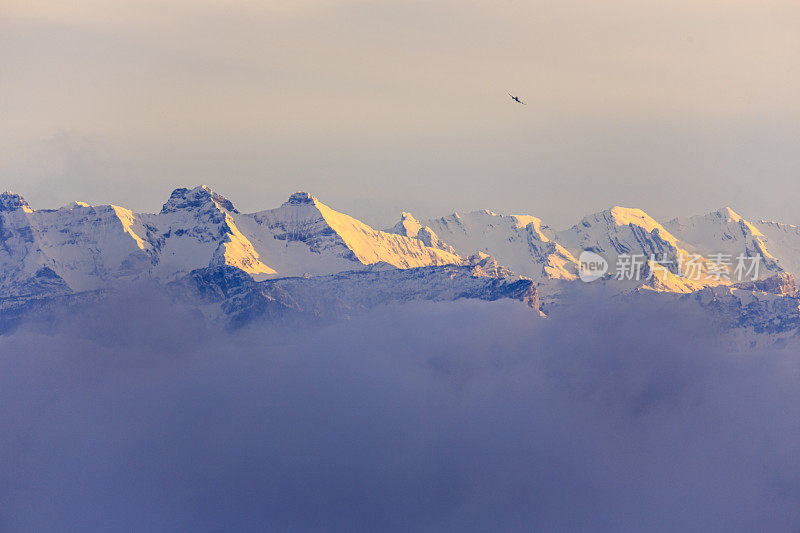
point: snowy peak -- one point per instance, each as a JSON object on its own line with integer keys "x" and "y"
{"x": 731, "y": 218}
{"x": 631, "y": 215}
{"x": 619, "y": 230}
{"x": 488, "y": 219}
{"x": 484, "y": 265}
{"x": 520, "y": 242}
{"x": 200, "y": 197}
{"x": 617, "y": 217}
{"x": 84, "y": 246}
{"x": 197, "y": 228}
{"x": 10, "y": 201}
{"x": 723, "y": 224}
{"x": 724, "y": 231}
{"x": 619, "y": 234}
{"x": 519, "y": 222}
{"x": 370, "y": 246}
{"x": 408, "y": 226}
{"x": 727, "y": 213}
{"x": 304, "y": 235}
{"x": 300, "y": 198}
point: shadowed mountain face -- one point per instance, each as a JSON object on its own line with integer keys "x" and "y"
{"x": 305, "y": 257}
{"x": 345, "y": 294}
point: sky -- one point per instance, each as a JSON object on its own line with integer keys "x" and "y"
{"x": 383, "y": 106}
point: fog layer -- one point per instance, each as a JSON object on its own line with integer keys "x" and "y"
{"x": 465, "y": 416}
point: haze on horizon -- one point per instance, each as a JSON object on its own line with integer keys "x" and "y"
{"x": 379, "y": 106}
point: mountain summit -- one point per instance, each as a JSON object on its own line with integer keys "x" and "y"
{"x": 10, "y": 201}
{"x": 199, "y": 197}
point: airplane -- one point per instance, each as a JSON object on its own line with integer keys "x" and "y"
{"x": 516, "y": 99}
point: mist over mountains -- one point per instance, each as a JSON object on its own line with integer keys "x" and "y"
{"x": 425, "y": 416}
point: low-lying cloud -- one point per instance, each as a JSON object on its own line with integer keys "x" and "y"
{"x": 465, "y": 416}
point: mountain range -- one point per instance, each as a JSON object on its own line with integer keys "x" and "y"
{"x": 305, "y": 257}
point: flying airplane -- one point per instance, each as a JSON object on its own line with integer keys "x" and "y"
{"x": 516, "y": 99}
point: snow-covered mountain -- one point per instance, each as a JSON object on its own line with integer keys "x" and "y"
{"x": 306, "y": 257}
{"x": 521, "y": 242}
{"x": 229, "y": 292}
{"x": 724, "y": 231}
{"x": 196, "y": 228}
{"x": 621, "y": 231}
{"x": 306, "y": 236}
{"x": 783, "y": 242}
{"x": 531, "y": 248}
{"x": 89, "y": 247}
{"x": 301, "y": 248}
{"x": 617, "y": 231}
{"x": 78, "y": 247}
{"x": 766, "y": 306}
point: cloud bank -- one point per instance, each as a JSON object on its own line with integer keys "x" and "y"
{"x": 470, "y": 416}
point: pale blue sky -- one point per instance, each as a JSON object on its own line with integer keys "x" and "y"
{"x": 381, "y": 106}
